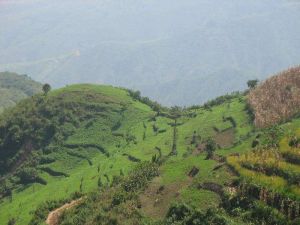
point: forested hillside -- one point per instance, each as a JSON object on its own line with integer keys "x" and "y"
{"x": 119, "y": 158}
{"x": 14, "y": 87}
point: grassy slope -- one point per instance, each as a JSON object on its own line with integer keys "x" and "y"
{"x": 135, "y": 121}
{"x": 26, "y": 199}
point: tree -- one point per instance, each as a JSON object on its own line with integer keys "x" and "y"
{"x": 175, "y": 112}
{"x": 100, "y": 184}
{"x": 46, "y": 88}
{"x": 210, "y": 148}
{"x": 252, "y": 83}
{"x": 135, "y": 94}
{"x": 12, "y": 221}
{"x": 81, "y": 185}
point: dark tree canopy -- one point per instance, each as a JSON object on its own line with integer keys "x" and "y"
{"x": 252, "y": 83}
{"x": 210, "y": 148}
{"x": 46, "y": 88}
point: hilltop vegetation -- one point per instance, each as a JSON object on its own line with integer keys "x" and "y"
{"x": 128, "y": 160}
{"x": 14, "y": 87}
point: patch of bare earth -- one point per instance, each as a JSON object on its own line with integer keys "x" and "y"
{"x": 53, "y": 216}
{"x": 225, "y": 138}
{"x": 156, "y": 199}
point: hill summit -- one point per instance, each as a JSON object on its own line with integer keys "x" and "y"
{"x": 111, "y": 156}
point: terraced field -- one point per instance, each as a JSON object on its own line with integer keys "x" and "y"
{"x": 125, "y": 153}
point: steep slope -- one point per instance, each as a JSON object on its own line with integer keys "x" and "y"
{"x": 85, "y": 136}
{"x": 48, "y": 144}
{"x": 128, "y": 162}
{"x": 14, "y": 87}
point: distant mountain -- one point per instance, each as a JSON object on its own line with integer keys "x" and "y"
{"x": 14, "y": 87}
{"x": 177, "y": 52}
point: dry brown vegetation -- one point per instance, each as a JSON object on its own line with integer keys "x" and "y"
{"x": 277, "y": 99}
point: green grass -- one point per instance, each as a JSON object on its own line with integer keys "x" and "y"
{"x": 119, "y": 117}
{"x": 202, "y": 199}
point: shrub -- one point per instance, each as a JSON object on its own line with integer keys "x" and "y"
{"x": 183, "y": 214}
{"x": 262, "y": 214}
{"x": 28, "y": 175}
{"x": 12, "y": 221}
{"x": 210, "y": 148}
{"x": 140, "y": 176}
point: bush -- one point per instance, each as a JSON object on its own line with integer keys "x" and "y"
{"x": 210, "y": 148}
{"x": 12, "y": 221}
{"x": 28, "y": 175}
{"x": 140, "y": 176}
{"x": 262, "y": 214}
{"x": 183, "y": 214}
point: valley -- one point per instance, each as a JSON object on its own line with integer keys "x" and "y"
{"x": 132, "y": 161}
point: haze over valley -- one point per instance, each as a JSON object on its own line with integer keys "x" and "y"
{"x": 175, "y": 52}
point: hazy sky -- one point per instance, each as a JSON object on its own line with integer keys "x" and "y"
{"x": 177, "y": 52}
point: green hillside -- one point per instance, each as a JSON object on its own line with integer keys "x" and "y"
{"x": 127, "y": 160}
{"x": 14, "y": 87}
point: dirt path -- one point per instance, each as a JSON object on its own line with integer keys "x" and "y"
{"x": 53, "y": 217}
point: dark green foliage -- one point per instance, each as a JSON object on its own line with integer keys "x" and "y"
{"x": 130, "y": 138}
{"x": 116, "y": 180}
{"x": 120, "y": 197}
{"x": 220, "y": 100}
{"x": 46, "y": 159}
{"x": 210, "y": 148}
{"x": 116, "y": 126}
{"x": 152, "y": 104}
{"x": 255, "y": 143}
{"x": 231, "y": 120}
{"x": 35, "y": 123}
{"x": 183, "y": 214}
{"x": 174, "y": 144}
{"x": 262, "y": 214}
{"x": 12, "y": 221}
{"x": 271, "y": 136}
{"x": 294, "y": 142}
{"x": 5, "y": 189}
{"x": 99, "y": 183}
{"x": 29, "y": 175}
{"x": 155, "y": 128}
{"x": 252, "y": 83}
{"x": 81, "y": 185}
{"x": 175, "y": 112}
{"x": 250, "y": 112}
{"x": 139, "y": 177}
{"x": 53, "y": 172}
{"x": 46, "y": 88}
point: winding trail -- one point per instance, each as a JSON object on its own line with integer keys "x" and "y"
{"x": 53, "y": 216}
